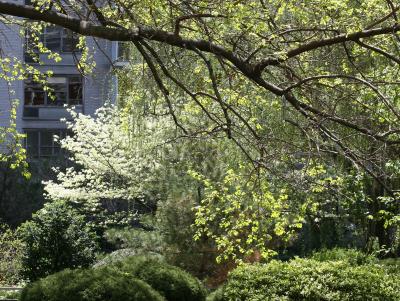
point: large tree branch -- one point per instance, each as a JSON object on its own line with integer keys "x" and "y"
{"x": 88, "y": 28}
{"x": 349, "y": 77}
{"x": 380, "y": 51}
{"x": 355, "y": 36}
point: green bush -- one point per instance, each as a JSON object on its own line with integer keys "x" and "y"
{"x": 11, "y": 249}
{"x": 56, "y": 238}
{"x": 392, "y": 265}
{"x": 351, "y": 256}
{"x": 217, "y": 295}
{"x": 101, "y": 284}
{"x": 308, "y": 279}
{"x": 172, "y": 282}
{"x": 7, "y": 295}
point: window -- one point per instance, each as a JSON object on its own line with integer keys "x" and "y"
{"x": 41, "y": 143}
{"x": 63, "y": 90}
{"x": 54, "y": 38}
{"x": 59, "y": 39}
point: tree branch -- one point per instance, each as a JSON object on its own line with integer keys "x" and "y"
{"x": 194, "y": 16}
{"x": 355, "y": 36}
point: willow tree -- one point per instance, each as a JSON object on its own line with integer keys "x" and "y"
{"x": 284, "y": 80}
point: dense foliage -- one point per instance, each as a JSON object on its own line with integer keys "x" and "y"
{"x": 56, "y": 238}
{"x": 12, "y": 153}
{"x": 90, "y": 285}
{"x": 135, "y": 278}
{"x": 308, "y": 279}
{"x": 11, "y": 250}
{"x": 172, "y": 282}
{"x": 115, "y": 156}
{"x": 352, "y": 257}
{"x": 272, "y": 126}
{"x": 169, "y": 233}
{"x": 7, "y": 295}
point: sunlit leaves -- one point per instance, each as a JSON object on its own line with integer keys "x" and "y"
{"x": 243, "y": 216}
{"x": 12, "y": 153}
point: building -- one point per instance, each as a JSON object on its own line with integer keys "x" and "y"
{"x": 39, "y": 114}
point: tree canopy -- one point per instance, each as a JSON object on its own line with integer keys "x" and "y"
{"x": 297, "y": 87}
{"x": 330, "y": 67}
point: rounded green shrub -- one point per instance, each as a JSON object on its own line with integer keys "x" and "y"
{"x": 56, "y": 238}
{"x": 308, "y": 279}
{"x": 172, "y": 282}
{"x": 101, "y": 284}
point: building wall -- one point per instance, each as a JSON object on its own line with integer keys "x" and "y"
{"x": 98, "y": 88}
{"x": 10, "y": 46}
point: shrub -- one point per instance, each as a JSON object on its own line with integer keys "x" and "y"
{"x": 140, "y": 240}
{"x": 217, "y": 295}
{"x": 351, "y": 256}
{"x": 7, "y": 295}
{"x": 101, "y": 284}
{"x": 10, "y": 256}
{"x": 308, "y": 279}
{"x": 391, "y": 265}
{"x": 174, "y": 283}
{"x": 56, "y": 238}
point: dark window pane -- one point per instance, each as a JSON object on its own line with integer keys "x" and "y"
{"x": 34, "y": 97}
{"x": 70, "y": 40}
{"x": 53, "y": 38}
{"x": 34, "y": 93}
{"x": 56, "y": 99}
{"x": 40, "y": 143}
{"x": 58, "y": 95}
{"x": 38, "y": 98}
{"x": 123, "y": 51}
{"x": 28, "y": 97}
{"x": 75, "y": 90}
{"x": 46, "y": 138}
{"x": 56, "y": 150}
{"x": 46, "y": 151}
{"x": 32, "y": 143}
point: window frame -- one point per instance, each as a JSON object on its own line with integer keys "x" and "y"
{"x": 61, "y": 133}
{"x": 63, "y": 35}
{"x": 48, "y": 102}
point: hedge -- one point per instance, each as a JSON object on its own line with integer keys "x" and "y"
{"x": 309, "y": 279}
{"x": 102, "y": 284}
